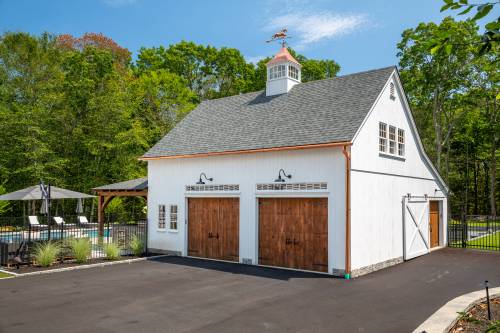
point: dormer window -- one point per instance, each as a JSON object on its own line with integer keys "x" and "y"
{"x": 276, "y": 72}
{"x": 293, "y": 72}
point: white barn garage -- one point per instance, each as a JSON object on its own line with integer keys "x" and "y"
{"x": 326, "y": 176}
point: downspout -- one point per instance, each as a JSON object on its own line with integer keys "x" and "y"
{"x": 347, "y": 153}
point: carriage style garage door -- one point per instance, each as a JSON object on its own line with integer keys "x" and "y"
{"x": 293, "y": 233}
{"x": 213, "y": 228}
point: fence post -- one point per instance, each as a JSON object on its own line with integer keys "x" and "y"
{"x": 464, "y": 231}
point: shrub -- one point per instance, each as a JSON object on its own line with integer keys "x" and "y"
{"x": 46, "y": 253}
{"x": 111, "y": 250}
{"x": 81, "y": 249}
{"x": 137, "y": 245}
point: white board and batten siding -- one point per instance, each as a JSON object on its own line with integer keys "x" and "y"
{"x": 169, "y": 177}
{"x": 379, "y": 213}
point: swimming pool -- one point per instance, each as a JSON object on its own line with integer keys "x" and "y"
{"x": 17, "y": 237}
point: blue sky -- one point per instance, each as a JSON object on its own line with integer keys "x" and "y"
{"x": 358, "y": 34}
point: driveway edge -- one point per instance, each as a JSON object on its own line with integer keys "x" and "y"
{"x": 444, "y": 318}
{"x": 74, "y": 268}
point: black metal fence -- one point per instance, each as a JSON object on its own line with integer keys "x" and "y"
{"x": 475, "y": 232}
{"x": 19, "y": 237}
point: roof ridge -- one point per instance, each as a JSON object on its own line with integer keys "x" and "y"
{"x": 308, "y": 82}
{"x": 351, "y": 74}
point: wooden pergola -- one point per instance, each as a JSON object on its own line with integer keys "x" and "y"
{"x": 106, "y": 193}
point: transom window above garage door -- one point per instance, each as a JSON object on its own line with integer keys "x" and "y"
{"x": 292, "y": 186}
{"x": 219, "y": 188}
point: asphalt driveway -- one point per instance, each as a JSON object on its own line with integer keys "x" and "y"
{"x": 187, "y": 295}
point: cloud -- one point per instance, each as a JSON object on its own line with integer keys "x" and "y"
{"x": 119, "y": 3}
{"x": 309, "y": 28}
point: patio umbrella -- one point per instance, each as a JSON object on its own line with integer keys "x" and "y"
{"x": 34, "y": 193}
{"x": 79, "y": 206}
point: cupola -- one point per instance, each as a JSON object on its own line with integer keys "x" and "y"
{"x": 283, "y": 72}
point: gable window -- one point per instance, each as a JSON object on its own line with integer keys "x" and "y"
{"x": 401, "y": 142}
{"x": 293, "y": 72}
{"x": 382, "y": 134}
{"x": 173, "y": 217}
{"x": 161, "y": 216}
{"x": 392, "y": 140}
{"x": 277, "y": 72}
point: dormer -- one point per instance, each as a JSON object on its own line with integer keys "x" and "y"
{"x": 283, "y": 72}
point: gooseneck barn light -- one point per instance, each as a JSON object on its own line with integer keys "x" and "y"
{"x": 281, "y": 180}
{"x": 201, "y": 182}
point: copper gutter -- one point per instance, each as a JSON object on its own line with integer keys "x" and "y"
{"x": 347, "y": 153}
{"x": 319, "y": 145}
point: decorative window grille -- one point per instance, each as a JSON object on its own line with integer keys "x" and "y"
{"x": 382, "y": 133}
{"x": 293, "y": 72}
{"x": 401, "y": 142}
{"x": 161, "y": 216}
{"x": 392, "y": 140}
{"x": 277, "y": 72}
{"x": 291, "y": 186}
{"x": 392, "y": 91}
{"x": 205, "y": 188}
{"x": 173, "y": 217}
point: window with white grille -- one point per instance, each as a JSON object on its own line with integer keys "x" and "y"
{"x": 293, "y": 72}
{"x": 276, "y": 72}
{"x": 382, "y": 134}
{"x": 161, "y": 216}
{"x": 401, "y": 142}
{"x": 392, "y": 140}
{"x": 173, "y": 217}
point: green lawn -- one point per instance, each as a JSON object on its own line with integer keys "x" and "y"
{"x": 4, "y": 275}
{"x": 491, "y": 240}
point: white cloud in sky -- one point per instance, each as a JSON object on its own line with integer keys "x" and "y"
{"x": 308, "y": 28}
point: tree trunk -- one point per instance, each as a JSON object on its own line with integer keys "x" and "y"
{"x": 437, "y": 128}
{"x": 493, "y": 175}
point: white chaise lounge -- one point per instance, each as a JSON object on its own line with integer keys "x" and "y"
{"x": 60, "y": 222}
{"x": 34, "y": 222}
{"x": 83, "y": 221}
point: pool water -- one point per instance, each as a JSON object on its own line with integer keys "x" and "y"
{"x": 54, "y": 235}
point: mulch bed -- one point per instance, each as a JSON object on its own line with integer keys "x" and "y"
{"x": 67, "y": 263}
{"x": 476, "y": 319}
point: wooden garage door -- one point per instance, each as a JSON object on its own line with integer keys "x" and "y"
{"x": 213, "y": 228}
{"x": 293, "y": 233}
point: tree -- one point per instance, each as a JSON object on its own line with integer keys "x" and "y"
{"x": 491, "y": 35}
{"x": 435, "y": 81}
{"x": 160, "y": 99}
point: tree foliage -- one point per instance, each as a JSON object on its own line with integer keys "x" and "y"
{"x": 76, "y": 112}
{"x": 452, "y": 94}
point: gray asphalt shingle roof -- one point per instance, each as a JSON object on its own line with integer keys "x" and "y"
{"x": 315, "y": 112}
{"x": 134, "y": 184}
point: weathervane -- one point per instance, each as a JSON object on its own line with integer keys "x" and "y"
{"x": 280, "y": 36}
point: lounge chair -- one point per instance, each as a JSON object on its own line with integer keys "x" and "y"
{"x": 83, "y": 221}
{"x": 35, "y": 224}
{"x": 60, "y": 222}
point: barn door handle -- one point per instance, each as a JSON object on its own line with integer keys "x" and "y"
{"x": 217, "y": 236}
{"x": 210, "y": 235}
{"x": 295, "y": 242}
{"x": 288, "y": 241}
